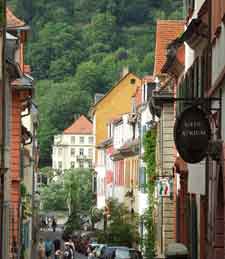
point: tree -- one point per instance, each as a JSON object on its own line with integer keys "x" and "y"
{"x": 58, "y": 102}
{"x": 53, "y": 197}
{"x": 122, "y": 227}
{"x": 78, "y": 188}
{"x": 103, "y": 29}
{"x": 57, "y": 43}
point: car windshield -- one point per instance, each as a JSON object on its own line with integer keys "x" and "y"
{"x": 122, "y": 253}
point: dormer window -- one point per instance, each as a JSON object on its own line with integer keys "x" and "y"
{"x": 132, "y": 81}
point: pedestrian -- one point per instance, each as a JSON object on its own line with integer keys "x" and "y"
{"x": 54, "y": 225}
{"x": 71, "y": 243}
{"x": 57, "y": 246}
{"x": 90, "y": 252}
{"x": 48, "y": 247}
{"x": 41, "y": 249}
{"x": 68, "y": 253}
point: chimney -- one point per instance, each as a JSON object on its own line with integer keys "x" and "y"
{"x": 76, "y": 116}
{"x": 125, "y": 71}
{"x": 98, "y": 97}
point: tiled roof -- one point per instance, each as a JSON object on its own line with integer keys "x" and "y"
{"x": 12, "y": 20}
{"x": 81, "y": 126}
{"x": 166, "y": 31}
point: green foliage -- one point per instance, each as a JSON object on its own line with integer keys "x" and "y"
{"x": 53, "y": 197}
{"x": 72, "y": 190}
{"x": 85, "y": 44}
{"x": 58, "y": 103}
{"x": 122, "y": 227}
{"x": 79, "y": 197}
{"x": 149, "y": 158}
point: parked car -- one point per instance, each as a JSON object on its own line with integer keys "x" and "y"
{"x": 99, "y": 251}
{"x": 135, "y": 254}
{"x": 116, "y": 252}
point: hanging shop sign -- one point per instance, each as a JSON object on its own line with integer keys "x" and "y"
{"x": 192, "y": 134}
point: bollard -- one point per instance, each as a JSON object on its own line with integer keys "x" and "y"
{"x": 176, "y": 251}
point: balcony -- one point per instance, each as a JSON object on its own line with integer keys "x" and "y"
{"x": 83, "y": 158}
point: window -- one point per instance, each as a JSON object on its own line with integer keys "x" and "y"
{"x": 72, "y": 140}
{"x": 90, "y": 140}
{"x": 101, "y": 157}
{"x": 133, "y": 81}
{"x": 54, "y": 165}
{"x": 81, "y": 164}
{"x": 142, "y": 179}
{"x": 60, "y": 165}
{"x": 72, "y": 165}
{"x": 81, "y": 140}
{"x": 81, "y": 152}
{"x": 89, "y": 164}
{"x": 90, "y": 153}
{"x": 189, "y": 6}
{"x": 72, "y": 152}
{"x": 94, "y": 184}
{"x": 60, "y": 151}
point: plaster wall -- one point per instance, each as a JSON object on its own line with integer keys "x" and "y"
{"x": 119, "y": 193}
{"x": 100, "y": 186}
{"x": 115, "y": 103}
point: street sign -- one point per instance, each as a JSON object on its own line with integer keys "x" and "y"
{"x": 192, "y": 133}
{"x": 164, "y": 186}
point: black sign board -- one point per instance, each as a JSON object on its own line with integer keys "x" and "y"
{"x": 192, "y": 134}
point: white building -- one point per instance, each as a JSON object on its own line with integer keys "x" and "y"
{"x": 147, "y": 120}
{"x": 74, "y": 147}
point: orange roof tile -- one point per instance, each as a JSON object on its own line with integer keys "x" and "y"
{"x": 12, "y": 20}
{"x": 80, "y": 126}
{"x": 166, "y": 31}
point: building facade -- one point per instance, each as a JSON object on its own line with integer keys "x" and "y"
{"x": 113, "y": 104}
{"x": 74, "y": 148}
{"x": 166, "y": 32}
{"x": 18, "y": 86}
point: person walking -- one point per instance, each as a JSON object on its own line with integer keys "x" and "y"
{"x": 48, "y": 248}
{"x": 57, "y": 246}
{"x": 41, "y": 249}
{"x": 54, "y": 225}
{"x": 68, "y": 253}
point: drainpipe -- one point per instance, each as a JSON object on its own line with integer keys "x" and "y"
{"x": 209, "y": 84}
{"x": 2, "y": 117}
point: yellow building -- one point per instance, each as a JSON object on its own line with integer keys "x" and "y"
{"x": 115, "y": 102}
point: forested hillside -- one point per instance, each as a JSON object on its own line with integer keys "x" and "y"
{"x": 78, "y": 48}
